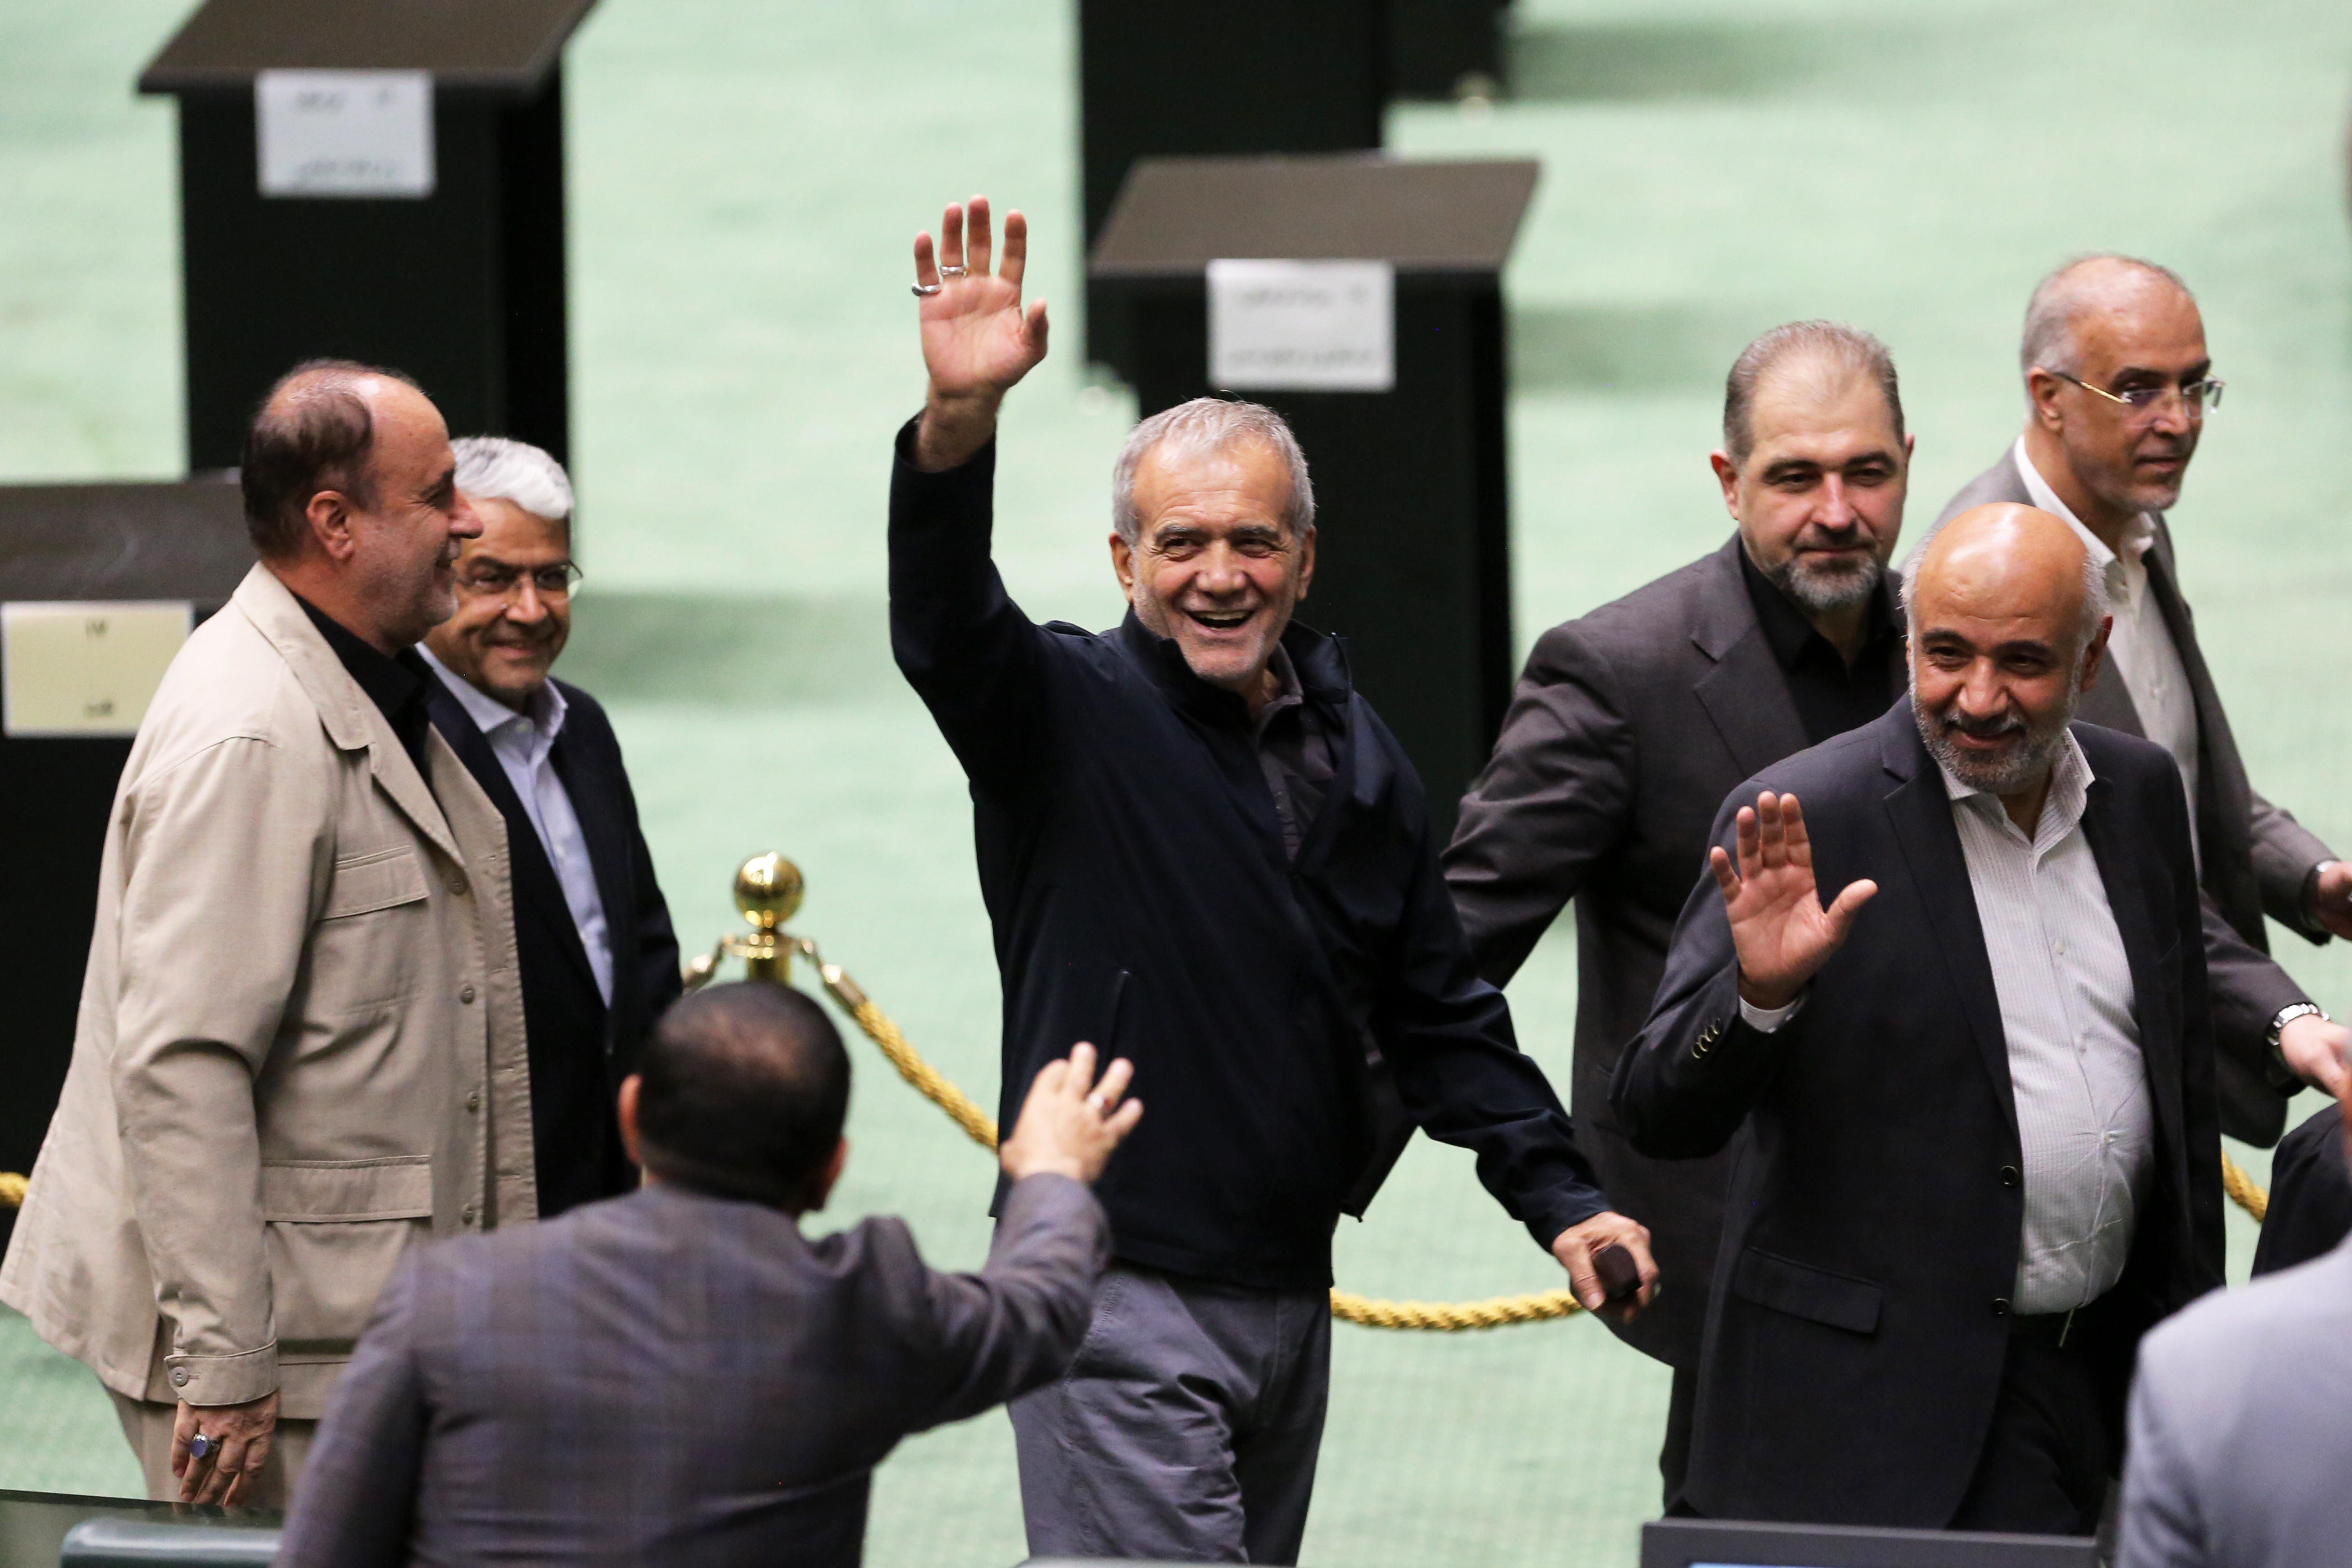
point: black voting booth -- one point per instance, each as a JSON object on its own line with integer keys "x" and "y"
{"x": 463, "y": 287}
{"x": 80, "y": 542}
{"x": 1410, "y": 485}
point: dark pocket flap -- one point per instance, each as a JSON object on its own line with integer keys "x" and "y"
{"x": 1803, "y": 1290}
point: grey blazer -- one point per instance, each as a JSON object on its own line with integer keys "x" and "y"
{"x": 2241, "y": 1416}
{"x": 667, "y": 1378}
{"x": 2257, "y": 858}
{"x": 1629, "y": 726}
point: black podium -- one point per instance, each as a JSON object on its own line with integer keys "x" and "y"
{"x": 180, "y": 543}
{"x": 460, "y": 284}
{"x": 1411, "y": 483}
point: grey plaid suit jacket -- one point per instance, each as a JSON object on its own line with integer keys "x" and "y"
{"x": 671, "y": 1378}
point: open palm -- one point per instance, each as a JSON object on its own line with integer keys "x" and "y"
{"x": 1781, "y": 931}
{"x": 978, "y": 340}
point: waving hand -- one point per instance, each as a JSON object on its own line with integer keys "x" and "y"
{"x": 1779, "y": 926}
{"x": 978, "y": 340}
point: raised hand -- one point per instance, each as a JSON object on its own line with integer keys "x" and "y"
{"x": 1070, "y": 1122}
{"x": 978, "y": 340}
{"x": 1778, "y": 927}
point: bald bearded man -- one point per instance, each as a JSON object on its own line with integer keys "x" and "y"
{"x": 1983, "y": 1156}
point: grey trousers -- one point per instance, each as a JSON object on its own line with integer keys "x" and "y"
{"x": 1186, "y": 1428}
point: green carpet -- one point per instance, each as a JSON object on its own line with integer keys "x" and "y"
{"x": 746, "y": 179}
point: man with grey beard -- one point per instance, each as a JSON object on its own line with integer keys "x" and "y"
{"x": 1981, "y": 1152}
{"x": 2118, "y": 384}
{"x": 1631, "y": 721}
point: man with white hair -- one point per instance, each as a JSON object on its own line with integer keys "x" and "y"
{"x": 1202, "y": 851}
{"x": 2117, "y": 385}
{"x": 1976, "y": 1086}
{"x": 592, "y": 936}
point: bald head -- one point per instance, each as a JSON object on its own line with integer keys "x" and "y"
{"x": 2007, "y": 620}
{"x": 2091, "y": 286}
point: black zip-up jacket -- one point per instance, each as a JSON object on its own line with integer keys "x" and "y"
{"x": 1136, "y": 877}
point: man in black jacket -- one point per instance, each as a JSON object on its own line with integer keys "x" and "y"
{"x": 1201, "y": 851}
{"x": 1982, "y": 1154}
{"x": 593, "y": 935}
{"x": 1632, "y": 722}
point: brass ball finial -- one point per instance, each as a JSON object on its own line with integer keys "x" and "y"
{"x": 768, "y": 890}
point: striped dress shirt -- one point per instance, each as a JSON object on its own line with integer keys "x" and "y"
{"x": 2083, "y": 1115}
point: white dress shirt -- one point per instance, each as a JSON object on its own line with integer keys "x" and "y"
{"x": 2080, "y": 1085}
{"x": 2140, "y": 649}
{"x": 524, "y": 743}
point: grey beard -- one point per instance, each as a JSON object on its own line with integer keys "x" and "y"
{"x": 1817, "y": 593}
{"x": 2011, "y": 775}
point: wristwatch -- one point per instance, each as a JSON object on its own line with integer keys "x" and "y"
{"x": 2288, "y": 1015}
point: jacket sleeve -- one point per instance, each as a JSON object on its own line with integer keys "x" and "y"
{"x": 2284, "y": 853}
{"x": 1446, "y": 1034}
{"x": 2161, "y": 1526}
{"x": 1014, "y": 1325}
{"x": 1554, "y": 798}
{"x": 1697, "y": 1067}
{"x": 656, "y": 946}
{"x": 2248, "y": 989}
{"x": 225, "y": 858}
{"x": 356, "y": 1505}
{"x": 961, "y": 643}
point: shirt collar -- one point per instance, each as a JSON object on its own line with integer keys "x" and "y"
{"x": 1787, "y": 631}
{"x": 544, "y": 711}
{"x": 392, "y": 681}
{"x": 2138, "y": 535}
{"x": 2070, "y": 785}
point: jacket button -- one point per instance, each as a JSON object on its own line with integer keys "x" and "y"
{"x": 465, "y": 993}
{"x": 468, "y": 1216}
{"x": 474, "y": 1101}
{"x": 2000, "y": 1303}
{"x": 179, "y": 1377}
{"x": 2009, "y": 1176}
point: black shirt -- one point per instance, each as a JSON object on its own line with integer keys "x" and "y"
{"x": 398, "y": 683}
{"x": 1832, "y": 697}
{"x": 1294, "y": 748}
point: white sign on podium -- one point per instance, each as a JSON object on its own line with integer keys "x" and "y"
{"x": 1302, "y": 326}
{"x": 344, "y": 133}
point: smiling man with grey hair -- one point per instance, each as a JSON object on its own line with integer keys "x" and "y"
{"x": 1202, "y": 851}
{"x": 2118, "y": 384}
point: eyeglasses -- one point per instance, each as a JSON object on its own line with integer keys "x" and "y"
{"x": 496, "y": 581}
{"x": 2195, "y": 398}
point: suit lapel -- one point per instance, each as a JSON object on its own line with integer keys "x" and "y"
{"x": 1745, "y": 694}
{"x": 596, "y": 801}
{"x": 1921, "y": 811}
{"x": 537, "y": 890}
{"x": 2120, "y": 873}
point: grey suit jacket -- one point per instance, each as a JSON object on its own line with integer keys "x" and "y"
{"x": 667, "y": 1378}
{"x": 1629, "y": 726}
{"x": 2256, "y": 856}
{"x": 2240, "y": 1417}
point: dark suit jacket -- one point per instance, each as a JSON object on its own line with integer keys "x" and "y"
{"x": 580, "y": 1049}
{"x": 675, "y": 1379}
{"x": 1855, "y": 1341}
{"x": 2256, "y": 856}
{"x": 2310, "y": 1196}
{"x": 1629, "y": 727}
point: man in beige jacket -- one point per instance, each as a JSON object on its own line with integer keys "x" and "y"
{"x": 300, "y": 1046}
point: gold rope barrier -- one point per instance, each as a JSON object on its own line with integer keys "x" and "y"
{"x": 2255, "y": 1200}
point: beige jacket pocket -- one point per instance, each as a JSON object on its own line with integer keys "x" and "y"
{"x": 336, "y": 1230}
{"x": 363, "y": 949}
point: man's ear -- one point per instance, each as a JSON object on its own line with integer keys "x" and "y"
{"x": 1122, "y": 562}
{"x": 2041, "y": 390}
{"x": 329, "y": 516}
{"x": 626, "y": 1112}
{"x": 2093, "y": 654}
{"x": 1727, "y": 474}
{"x": 821, "y": 1188}
{"x": 1306, "y": 562}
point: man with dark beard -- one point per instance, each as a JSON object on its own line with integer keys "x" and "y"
{"x": 1631, "y": 721}
{"x": 2119, "y": 382}
{"x": 1978, "y": 1082}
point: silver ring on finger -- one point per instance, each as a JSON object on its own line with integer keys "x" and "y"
{"x": 200, "y": 1445}
{"x": 1102, "y": 1106}
{"x": 955, "y": 271}
{"x": 925, "y": 290}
